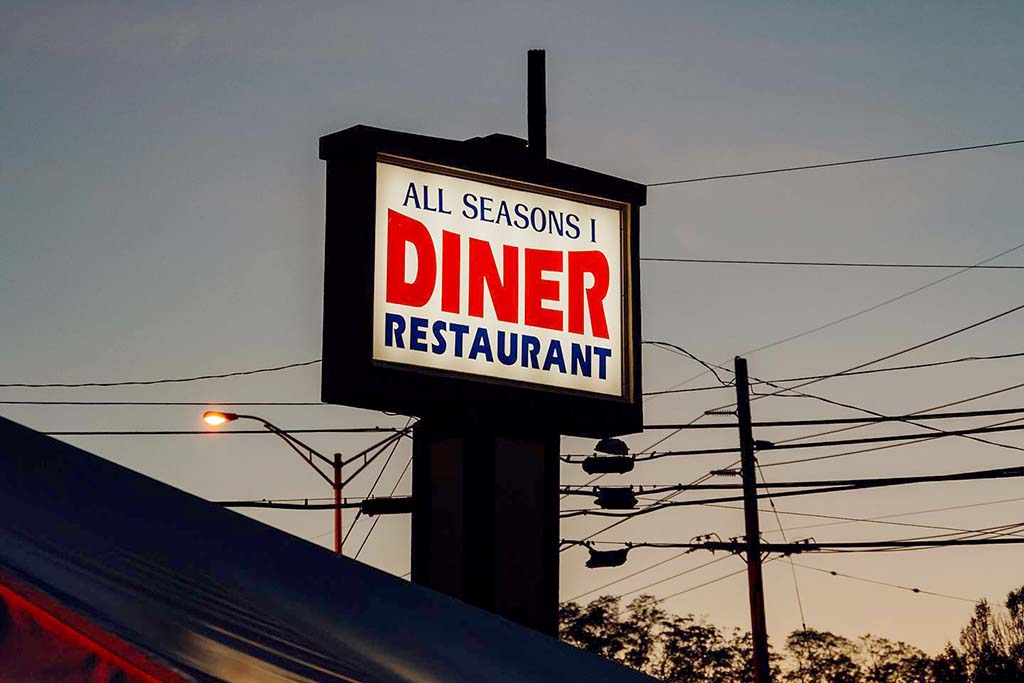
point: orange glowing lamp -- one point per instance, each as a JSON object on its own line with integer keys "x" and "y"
{"x": 214, "y": 418}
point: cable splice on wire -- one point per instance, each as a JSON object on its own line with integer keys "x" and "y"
{"x": 885, "y": 583}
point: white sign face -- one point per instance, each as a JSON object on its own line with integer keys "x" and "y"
{"x": 475, "y": 276}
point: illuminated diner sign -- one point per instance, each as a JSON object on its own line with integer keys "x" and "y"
{"x": 476, "y": 275}
{"x": 473, "y": 282}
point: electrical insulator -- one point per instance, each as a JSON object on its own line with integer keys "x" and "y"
{"x": 616, "y": 498}
{"x": 612, "y": 446}
{"x": 386, "y": 506}
{"x": 608, "y": 464}
{"x": 607, "y": 558}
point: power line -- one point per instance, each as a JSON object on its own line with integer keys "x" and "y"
{"x": 912, "y": 418}
{"x": 939, "y": 435}
{"x": 864, "y": 311}
{"x": 860, "y": 409}
{"x": 581, "y": 486}
{"x": 197, "y": 432}
{"x": 379, "y": 447}
{"x": 914, "y": 422}
{"x": 824, "y": 487}
{"x": 668, "y": 436}
{"x": 1001, "y": 427}
{"x": 853, "y": 546}
{"x": 871, "y": 520}
{"x": 869, "y": 482}
{"x": 277, "y": 505}
{"x": 636, "y": 573}
{"x": 877, "y": 520}
{"x": 624, "y": 519}
{"x": 167, "y": 403}
{"x": 667, "y": 497}
{"x": 657, "y": 455}
{"x": 376, "y": 519}
{"x": 149, "y": 382}
{"x": 831, "y": 164}
{"x": 877, "y": 414}
{"x": 373, "y": 487}
{"x": 650, "y": 447}
{"x": 844, "y": 420}
{"x": 679, "y": 349}
{"x": 914, "y": 347}
{"x": 326, "y": 533}
{"x": 833, "y": 264}
{"x": 782, "y": 531}
{"x": 666, "y": 345}
{"x": 675, "y": 576}
{"x": 394, "y": 447}
{"x": 873, "y": 371}
{"x": 988, "y": 532}
{"x": 883, "y": 583}
{"x": 708, "y": 583}
{"x": 834, "y": 546}
{"x": 910, "y": 422}
{"x": 883, "y": 519}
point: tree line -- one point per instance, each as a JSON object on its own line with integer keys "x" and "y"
{"x": 689, "y": 649}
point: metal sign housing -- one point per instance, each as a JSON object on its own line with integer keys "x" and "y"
{"x": 470, "y": 280}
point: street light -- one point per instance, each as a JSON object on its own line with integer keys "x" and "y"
{"x": 216, "y": 418}
{"x": 611, "y": 456}
{"x": 611, "y": 446}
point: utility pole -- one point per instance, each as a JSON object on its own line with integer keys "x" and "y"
{"x": 758, "y": 628}
{"x": 337, "y": 504}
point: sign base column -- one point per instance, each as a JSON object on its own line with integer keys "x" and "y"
{"x": 485, "y": 519}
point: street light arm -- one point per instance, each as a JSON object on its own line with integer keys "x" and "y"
{"x": 306, "y": 457}
{"x": 296, "y": 445}
{"x": 397, "y": 435}
{"x": 295, "y": 441}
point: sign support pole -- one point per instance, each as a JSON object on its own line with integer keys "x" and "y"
{"x": 485, "y": 519}
{"x": 758, "y": 627}
{"x": 337, "y": 504}
{"x": 496, "y": 386}
{"x": 536, "y": 104}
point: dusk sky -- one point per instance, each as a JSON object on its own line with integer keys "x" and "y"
{"x": 162, "y": 215}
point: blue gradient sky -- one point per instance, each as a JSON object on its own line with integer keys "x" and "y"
{"x": 161, "y": 214}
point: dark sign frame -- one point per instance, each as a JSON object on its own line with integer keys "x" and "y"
{"x": 351, "y": 376}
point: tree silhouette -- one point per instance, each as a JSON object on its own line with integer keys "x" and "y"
{"x": 888, "y": 661}
{"x": 821, "y": 657}
{"x": 949, "y": 667}
{"x": 689, "y": 649}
